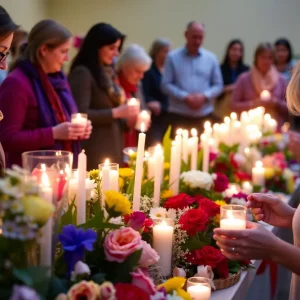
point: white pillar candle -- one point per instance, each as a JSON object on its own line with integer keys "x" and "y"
{"x": 194, "y": 152}
{"x": 233, "y": 224}
{"x": 159, "y": 160}
{"x": 79, "y": 118}
{"x": 139, "y": 169}
{"x": 151, "y": 167}
{"x": 114, "y": 180}
{"x": 265, "y": 95}
{"x": 185, "y": 147}
{"x": 199, "y": 292}
{"x": 81, "y": 190}
{"x": 163, "y": 244}
{"x": 205, "y": 152}
{"x": 46, "y": 192}
{"x": 216, "y": 133}
{"x": 258, "y": 174}
{"x": 173, "y": 168}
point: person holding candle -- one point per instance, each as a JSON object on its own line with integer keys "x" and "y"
{"x": 156, "y": 100}
{"x": 131, "y": 67}
{"x": 95, "y": 87}
{"x": 36, "y": 100}
{"x": 261, "y": 78}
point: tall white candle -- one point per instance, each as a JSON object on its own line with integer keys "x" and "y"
{"x": 185, "y": 146}
{"x": 46, "y": 192}
{"x": 205, "y": 151}
{"x": 178, "y": 140}
{"x": 194, "y": 152}
{"x": 162, "y": 244}
{"x": 139, "y": 168}
{"x": 151, "y": 167}
{"x": 173, "y": 173}
{"x": 258, "y": 174}
{"x": 159, "y": 160}
{"x": 233, "y": 224}
{"x": 199, "y": 292}
{"x": 81, "y": 190}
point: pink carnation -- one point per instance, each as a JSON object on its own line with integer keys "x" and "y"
{"x": 119, "y": 244}
{"x": 143, "y": 281}
{"x": 149, "y": 256}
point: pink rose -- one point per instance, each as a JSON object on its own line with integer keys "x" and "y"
{"x": 149, "y": 256}
{"x": 143, "y": 281}
{"x": 107, "y": 291}
{"x": 88, "y": 290}
{"x": 119, "y": 244}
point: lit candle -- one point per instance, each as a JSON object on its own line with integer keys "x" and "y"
{"x": 233, "y": 224}
{"x": 265, "y": 95}
{"x": 247, "y": 187}
{"x": 205, "y": 152}
{"x": 173, "y": 168}
{"x": 258, "y": 174}
{"x": 109, "y": 173}
{"x": 144, "y": 117}
{"x": 159, "y": 160}
{"x": 163, "y": 244}
{"x": 233, "y": 116}
{"x": 133, "y": 102}
{"x": 233, "y": 217}
{"x": 185, "y": 146}
{"x": 79, "y": 118}
{"x": 207, "y": 129}
{"x": 199, "y": 292}
{"x": 139, "y": 168}
{"x": 46, "y": 192}
{"x": 81, "y": 190}
{"x": 194, "y": 152}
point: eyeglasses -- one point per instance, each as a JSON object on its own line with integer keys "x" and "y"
{"x": 3, "y": 56}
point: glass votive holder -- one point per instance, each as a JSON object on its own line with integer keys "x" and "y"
{"x": 79, "y": 118}
{"x": 109, "y": 176}
{"x": 199, "y": 288}
{"x": 233, "y": 217}
{"x": 163, "y": 231}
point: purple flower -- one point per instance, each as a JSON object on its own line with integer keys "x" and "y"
{"x": 22, "y": 292}
{"x": 75, "y": 241}
{"x": 137, "y": 220}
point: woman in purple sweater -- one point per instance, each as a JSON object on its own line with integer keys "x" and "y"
{"x": 36, "y": 100}
{"x": 262, "y": 76}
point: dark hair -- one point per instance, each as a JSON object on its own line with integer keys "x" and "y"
{"x": 261, "y": 48}
{"x": 230, "y": 44}
{"x": 7, "y": 25}
{"x": 99, "y": 35}
{"x": 19, "y": 37}
{"x": 286, "y": 43}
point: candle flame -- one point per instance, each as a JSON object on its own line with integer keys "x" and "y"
{"x": 130, "y": 152}
{"x": 144, "y": 113}
{"x": 233, "y": 116}
{"x": 78, "y": 115}
{"x": 267, "y": 116}
{"x": 43, "y": 167}
{"x": 227, "y": 120}
{"x": 185, "y": 133}
{"x": 194, "y": 132}
{"x": 216, "y": 126}
{"x": 143, "y": 127}
{"x": 179, "y": 131}
{"x": 247, "y": 150}
{"x": 106, "y": 162}
{"x": 207, "y": 125}
{"x": 45, "y": 180}
{"x": 132, "y": 101}
{"x": 203, "y": 137}
{"x": 259, "y": 164}
{"x": 147, "y": 154}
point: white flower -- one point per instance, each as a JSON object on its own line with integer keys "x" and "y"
{"x": 25, "y": 233}
{"x": 197, "y": 179}
{"x": 173, "y": 296}
{"x": 16, "y": 207}
{"x": 146, "y": 204}
{"x": 79, "y": 269}
{"x": 171, "y": 213}
{"x": 239, "y": 201}
{"x": 158, "y": 213}
{"x": 117, "y": 221}
{"x": 11, "y": 190}
{"x": 9, "y": 229}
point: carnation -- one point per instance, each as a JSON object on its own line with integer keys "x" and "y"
{"x": 209, "y": 206}
{"x": 197, "y": 179}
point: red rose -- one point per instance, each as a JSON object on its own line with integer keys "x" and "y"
{"x": 210, "y": 256}
{"x": 126, "y": 291}
{"x": 207, "y": 205}
{"x": 233, "y": 162}
{"x": 242, "y": 176}
{"x": 221, "y": 183}
{"x": 179, "y": 202}
{"x": 148, "y": 224}
{"x": 193, "y": 221}
{"x": 221, "y": 167}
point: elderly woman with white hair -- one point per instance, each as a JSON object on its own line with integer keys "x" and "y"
{"x": 131, "y": 66}
{"x": 156, "y": 100}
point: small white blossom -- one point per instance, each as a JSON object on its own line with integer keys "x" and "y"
{"x": 158, "y": 213}
{"x": 146, "y": 204}
{"x": 197, "y": 179}
{"x": 117, "y": 221}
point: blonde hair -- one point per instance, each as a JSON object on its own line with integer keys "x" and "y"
{"x": 46, "y": 32}
{"x": 260, "y": 49}
{"x": 157, "y": 45}
{"x": 293, "y": 91}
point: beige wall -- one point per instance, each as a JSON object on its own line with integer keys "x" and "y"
{"x": 26, "y": 12}
{"x": 144, "y": 20}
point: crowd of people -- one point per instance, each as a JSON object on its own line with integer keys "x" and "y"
{"x": 182, "y": 87}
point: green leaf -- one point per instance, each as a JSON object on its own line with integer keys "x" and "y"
{"x": 68, "y": 217}
{"x": 57, "y": 286}
{"x": 234, "y": 266}
{"x": 98, "y": 278}
{"x": 196, "y": 242}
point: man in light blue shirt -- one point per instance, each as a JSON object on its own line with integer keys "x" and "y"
{"x": 192, "y": 79}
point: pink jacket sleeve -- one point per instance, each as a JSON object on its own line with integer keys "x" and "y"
{"x": 14, "y": 104}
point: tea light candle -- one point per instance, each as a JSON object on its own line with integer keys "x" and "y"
{"x": 265, "y": 95}
{"x": 163, "y": 244}
{"x": 79, "y": 118}
{"x": 233, "y": 224}
{"x": 199, "y": 292}
{"x": 258, "y": 174}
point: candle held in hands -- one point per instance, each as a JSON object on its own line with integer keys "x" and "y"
{"x": 265, "y": 95}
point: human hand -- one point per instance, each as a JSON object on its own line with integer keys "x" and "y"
{"x": 195, "y": 101}
{"x": 155, "y": 107}
{"x": 88, "y": 130}
{"x": 125, "y": 111}
{"x": 270, "y": 209}
{"x": 68, "y": 131}
{"x": 294, "y": 143}
{"x": 255, "y": 242}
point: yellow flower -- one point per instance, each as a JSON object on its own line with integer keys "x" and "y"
{"x": 94, "y": 174}
{"x": 172, "y": 284}
{"x": 220, "y": 202}
{"x": 126, "y": 172}
{"x": 166, "y": 194}
{"x": 37, "y": 208}
{"x": 216, "y": 220}
{"x": 166, "y": 165}
{"x": 183, "y": 294}
{"x": 269, "y": 173}
{"x": 121, "y": 182}
{"x": 118, "y": 202}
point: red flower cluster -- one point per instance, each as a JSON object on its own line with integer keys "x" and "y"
{"x": 221, "y": 183}
{"x": 138, "y": 221}
{"x": 210, "y": 207}
{"x": 179, "y": 202}
{"x": 210, "y": 256}
{"x": 194, "y": 220}
{"x": 242, "y": 176}
{"x": 126, "y": 291}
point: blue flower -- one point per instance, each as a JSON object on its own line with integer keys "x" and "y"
{"x": 74, "y": 242}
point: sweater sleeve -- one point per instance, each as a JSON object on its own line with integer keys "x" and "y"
{"x": 14, "y": 104}
{"x": 81, "y": 83}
